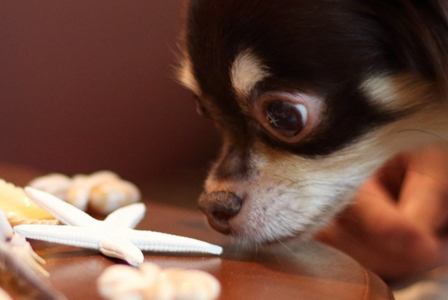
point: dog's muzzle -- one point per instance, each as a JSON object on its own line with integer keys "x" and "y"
{"x": 220, "y": 207}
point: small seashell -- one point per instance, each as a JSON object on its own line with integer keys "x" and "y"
{"x": 162, "y": 289}
{"x": 17, "y": 255}
{"x": 152, "y": 283}
{"x": 19, "y": 209}
{"x": 111, "y": 283}
{"x": 78, "y": 193}
{"x": 109, "y": 196}
{"x": 193, "y": 284}
{"x": 20, "y": 246}
{"x": 102, "y": 192}
{"x": 55, "y": 184}
{"x": 150, "y": 272}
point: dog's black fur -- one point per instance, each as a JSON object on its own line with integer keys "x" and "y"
{"x": 328, "y": 48}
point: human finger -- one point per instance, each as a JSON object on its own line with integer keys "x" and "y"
{"x": 376, "y": 233}
{"x": 424, "y": 194}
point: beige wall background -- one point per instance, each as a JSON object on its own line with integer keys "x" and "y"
{"x": 87, "y": 85}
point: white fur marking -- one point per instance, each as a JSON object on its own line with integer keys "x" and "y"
{"x": 381, "y": 90}
{"x": 247, "y": 70}
{"x": 396, "y": 92}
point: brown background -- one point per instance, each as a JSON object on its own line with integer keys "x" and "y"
{"x": 87, "y": 85}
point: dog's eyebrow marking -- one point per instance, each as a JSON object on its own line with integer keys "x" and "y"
{"x": 246, "y": 71}
{"x": 186, "y": 77}
{"x": 382, "y": 90}
{"x": 397, "y": 92}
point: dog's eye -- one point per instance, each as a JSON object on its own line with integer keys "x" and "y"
{"x": 287, "y": 118}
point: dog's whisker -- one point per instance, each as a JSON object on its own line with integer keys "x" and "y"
{"x": 312, "y": 182}
{"x": 301, "y": 195}
{"x": 276, "y": 255}
{"x": 285, "y": 246}
{"x": 438, "y": 137}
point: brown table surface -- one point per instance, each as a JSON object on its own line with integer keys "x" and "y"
{"x": 296, "y": 270}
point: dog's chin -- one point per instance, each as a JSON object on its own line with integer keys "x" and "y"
{"x": 269, "y": 242}
{"x": 277, "y": 220}
{"x": 256, "y": 241}
{"x": 259, "y": 236}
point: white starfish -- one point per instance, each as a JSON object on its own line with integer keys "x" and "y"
{"x": 113, "y": 237}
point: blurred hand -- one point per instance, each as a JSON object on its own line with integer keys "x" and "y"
{"x": 396, "y": 224}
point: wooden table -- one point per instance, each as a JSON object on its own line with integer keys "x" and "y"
{"x": 296, "y": 270}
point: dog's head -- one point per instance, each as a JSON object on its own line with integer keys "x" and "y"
{"x": 311, "y": 97}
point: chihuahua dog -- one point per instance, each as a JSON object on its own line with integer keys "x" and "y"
{"x": 311, "y": 98}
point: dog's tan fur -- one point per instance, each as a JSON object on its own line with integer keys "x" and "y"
{"x": 371, "y": 77}
{"x": 287, "y": 194}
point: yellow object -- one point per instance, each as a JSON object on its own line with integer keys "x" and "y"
{"x": 19, "y": 209}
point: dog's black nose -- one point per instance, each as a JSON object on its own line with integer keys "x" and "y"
{"x": 220, "y": 207}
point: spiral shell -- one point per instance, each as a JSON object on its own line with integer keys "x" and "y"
{"x": 19, "y": 209}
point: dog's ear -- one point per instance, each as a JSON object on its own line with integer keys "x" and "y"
{"x": 419, "y": 36}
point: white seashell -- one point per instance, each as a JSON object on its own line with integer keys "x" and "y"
{"x": 55, "y": 184}
{"x": 162, "y": 289}
{"x": 103, "y": 176}
{"x": 151, "y": 283}
{"x": 150, "y": 272}
{"x": 193, "y": 284}
{"x": 79, "y": 192}
{"x": 157, "y": 286}
{"x": 20, "y": 246}
{"x": 102, "y": 191}
{"x": 78, "y": 197}
{"x": 109, "y": 196}
{"x": 15, "y": 244}
{"x": 112, "y": 286}
{"x": 89, "y": 181}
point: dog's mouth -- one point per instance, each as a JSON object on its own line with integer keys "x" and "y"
{"x": 262, "y": 237}
{"x": 248, "y": 227}
{"x": 264, "y": 219}
{"x": 256, "y": 239}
